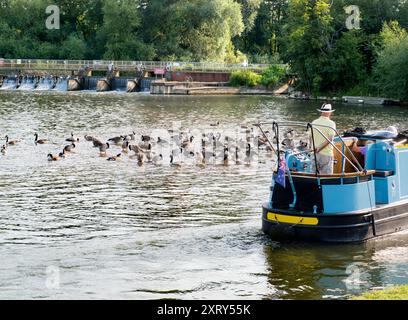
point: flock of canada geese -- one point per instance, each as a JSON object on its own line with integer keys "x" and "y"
{"x": 209, "y": 148}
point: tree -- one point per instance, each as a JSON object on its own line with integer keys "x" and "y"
{"x": 208, "y": 27}
{"x": 391, "y": 72}
{"x": 121, "y": 28}
{"x": 264, "y": 38}
{"x": 73, "y": 48}
{"x": 309, "y": 40}
{"x": 345, "y": 66}
{"x": 162, "y": 25}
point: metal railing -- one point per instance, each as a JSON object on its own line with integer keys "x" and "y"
{"x": 357, "y": 168}
{"x": 103, "y": 65}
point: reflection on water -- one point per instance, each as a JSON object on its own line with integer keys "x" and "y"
{"x": 88, "y": 228}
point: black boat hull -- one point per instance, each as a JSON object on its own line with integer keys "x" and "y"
{"x": 343, "y": 228}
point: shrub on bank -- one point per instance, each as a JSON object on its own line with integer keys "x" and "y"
{"x": 270, "y": 78}
{"x": 273, "y": 75}
{"x": 396, "y": 293}
{"x": 245, "y": 78}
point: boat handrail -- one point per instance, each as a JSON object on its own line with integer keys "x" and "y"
{"x": 335, "y": 176}
{"x": 312, "y": 126}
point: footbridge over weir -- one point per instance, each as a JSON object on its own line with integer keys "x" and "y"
{"x": 67, "y": 67}
{"x": 104, "y": 75}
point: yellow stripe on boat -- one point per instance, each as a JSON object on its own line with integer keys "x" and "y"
{"x": 292, "y": 219}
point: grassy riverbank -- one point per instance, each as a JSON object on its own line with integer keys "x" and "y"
{"x": 395, "y": 293}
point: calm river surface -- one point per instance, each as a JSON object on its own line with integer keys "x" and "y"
{"x": 88, "y": 228}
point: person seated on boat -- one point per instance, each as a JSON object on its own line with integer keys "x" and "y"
{"x": 362, "y": 148}
{"x": 324, "y": 150}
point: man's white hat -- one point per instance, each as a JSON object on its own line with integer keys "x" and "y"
{"x": 326, "y": 107}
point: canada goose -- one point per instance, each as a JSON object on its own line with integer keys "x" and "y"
{"x": 103, "y": 148}
{"x": 70, "y": 148}
{"x": 158, "y": 160}
{"x": 146, "y": 138}
{"x": 125, "y": 147}
{"x": 126, "y": 138}
{"x": 132, "y": 136}
{"x": 140, "y": 159}
{"x": 11, "y": 142}
{"x": 289, "y": 134}
{"x": 97, "y": 143}
{"x": 288, "y": 143}
{"x": 148, "y": 153}
{"x": 261, "y": 141}
{"x": 248, "y": 154}
{"x": 215, "y": 124}
{"x": 200, "y": 160}
{"x": 226, "y": 157}
{"x": 55, "y": 158}
{"x": 217, "y": 143}
{"x": 172, "y": 163}
{"x": 40, "y": 141}
{"x": 188, "y": 144}
{"x": 136, "y": 149}
{"x": 207, "y": 155}
{"x": 146, "y": 141}
{"x": 117, "y": 140}
{"x": 228, "y": 140}
{"x": 176, "y": 138}
{"x": 89, "y": 138}
{"x": 115, "y": 158}
{"x": 205, "y": 139}
{"x": 237, "y": 158}
{"x": 4, "y": 150}
{"x": 72, "y": 139}
{"x": 302, "y": 146}
{"x": 161, "y": 141}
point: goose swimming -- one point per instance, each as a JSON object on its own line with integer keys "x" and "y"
{"x": 40, "y": 141}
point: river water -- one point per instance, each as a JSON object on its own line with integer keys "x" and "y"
{"x": 88, "y": 228}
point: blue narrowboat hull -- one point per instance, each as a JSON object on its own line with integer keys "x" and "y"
{"x": 334, "y": 228}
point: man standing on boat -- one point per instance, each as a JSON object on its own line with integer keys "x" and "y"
{"x": 323, "y": 149}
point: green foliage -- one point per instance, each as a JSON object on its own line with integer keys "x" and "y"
{"x": 121, "y": 25}
{"x": 391, "y": 72}
{"x": 245, "y": 78}
{"x": 73, "y": 48}
{"x": 308, "y": 32}
{"x": 308, "y": 35}
{"x": 196, "y": 30}
{"x": 208, "y": 27}
{"x": 328, "y": 58}
{"x": 345, "y": 66}
{"x": 273, "y": 75}
{"x": 395, "y": 293}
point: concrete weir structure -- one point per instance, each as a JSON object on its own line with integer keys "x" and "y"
{"x": 128, "y": 76}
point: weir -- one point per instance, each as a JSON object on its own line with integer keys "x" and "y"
{"x": 101, "y": 76}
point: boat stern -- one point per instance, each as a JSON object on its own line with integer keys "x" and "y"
{"x": 286, "y": 225}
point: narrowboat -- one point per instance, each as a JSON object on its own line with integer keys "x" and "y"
{"x": 365, "y": 197}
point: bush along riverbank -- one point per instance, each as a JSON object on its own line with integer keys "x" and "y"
{"x": 274, "y": 77}
{"x": 395, "y": 293}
